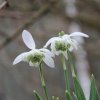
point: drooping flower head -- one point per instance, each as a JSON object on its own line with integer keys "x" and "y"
{"x": 35, "y": 56}
{"x": 69, "y": 39}
{"x": 63, "y": 43}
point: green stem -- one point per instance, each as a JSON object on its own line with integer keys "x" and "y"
{"x": 55, "y": 98}
{"x": 71, "y": 64}
{"x": 43, "y": 82}
{"x": 37, "y": 95}
{"x": 65, "y": 74}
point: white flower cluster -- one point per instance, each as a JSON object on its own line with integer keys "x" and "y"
{"x": 63, "y": 43}
{"x": 59, "y": 45}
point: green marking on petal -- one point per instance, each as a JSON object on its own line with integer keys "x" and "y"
{"x": 36, "y": 57}
{"x": 60, "y": 46}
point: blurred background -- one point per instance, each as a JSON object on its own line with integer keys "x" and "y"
{"x": 45, "y": 19}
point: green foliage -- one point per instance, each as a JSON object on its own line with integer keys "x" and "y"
{"x": 75, "y": 97}
{"x": 78, "y": 90}
{"x": 68, "y": 95}
{"x": 93, "y": 90}
{"x": 37, "y": 95}
{"x": 55, "y": 98}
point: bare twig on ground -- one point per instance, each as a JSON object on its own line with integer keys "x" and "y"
{"x": 3, "y": 4}
{"x": 3, "y": 34}
{"x": 26, "y": 24}
{"x": 15, "y": 14}
{"x": 95, "y": 6}
{"x": 86, "y": 19}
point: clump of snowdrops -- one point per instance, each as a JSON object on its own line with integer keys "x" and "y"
{"x": 62, "y": 45}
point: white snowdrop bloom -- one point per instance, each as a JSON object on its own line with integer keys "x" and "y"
{"x": 73, "y": 44}
{"x": 35, "y": 56}
{"x": 58, "y": 46}
{"x": 63, "y": 43}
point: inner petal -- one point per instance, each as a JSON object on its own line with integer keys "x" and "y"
{"x": 35, "y": 57}
{"x": 60, "y": 46}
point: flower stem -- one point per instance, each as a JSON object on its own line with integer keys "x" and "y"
{"x": 65, "y": 74}
{"x": 43, "y": 82}
{"x": 71, "y": 64}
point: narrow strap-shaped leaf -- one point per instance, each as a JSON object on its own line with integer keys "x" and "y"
{"x": 37, "y": 95}
{"x": 93, "y": 90}
{"x": 53, "y": 98}
{"x": 75, "y": 97}
{"x": 57, "y": 98}
{"x": 68, "y": 96}
{"x": 78, "y": 90}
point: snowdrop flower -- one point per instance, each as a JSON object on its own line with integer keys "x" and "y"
{"x": 58, "y": 45}
{"x": 63, "y": 43}
{"x": 35, "y": 56}
{"x": 71, "y": 41}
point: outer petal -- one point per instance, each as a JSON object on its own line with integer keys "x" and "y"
{"x": 57, "y": 52}
{"x": 71, "y": 48}
{"x": 31, "y": 64}
{"x": 74, "y": 43}
{"x": 50, "y": 41}
{"x": 19, "y": 58}
{"x": 49, "y": 61}
{"x": 53, "y": 49}
{"x": 66, "y": 38}
{"x": 28, "y": 40}
{"x": 78, "y": 34}
{"x": 46, "y": 51}
{"x": 71, "y": 41}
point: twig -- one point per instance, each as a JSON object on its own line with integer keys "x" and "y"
{"x": 15, "y": 14}
{"x": 93, "y": 4}
{"x": 26, "y": 24}
{"x": 3, "y": 4}
{"x": 3, "y": 34}
{"x": 86, "y": 19}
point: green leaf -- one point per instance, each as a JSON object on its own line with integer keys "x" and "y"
{"x": 68, "y": 96}
{"x": 93, "y": 90}
{"x": 78, "y": 90}
{"x": 75, "y": 97}
{"x": 37, "y": 95}
{"x": 55, "y": 98}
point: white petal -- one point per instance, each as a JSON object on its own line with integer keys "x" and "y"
{"x": 19, "y": 58}
{"x": 79, "y": 34}
{"x": 74, "y": 44}
{"x": 71, "y": 48}
{"x": 50, "y": 41}
{"x": 36, "y": 64}
{"x": 47, "y": 52}
{"x": 58, "y": 52}
{"x": 53, "y": 46}
{"x": 65, "y": 55}
{"x": 28, "y": 39}
{"x": 31, "y": 64}
{"x": 66, "y": 38}
{"x": 49, "y": 61}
